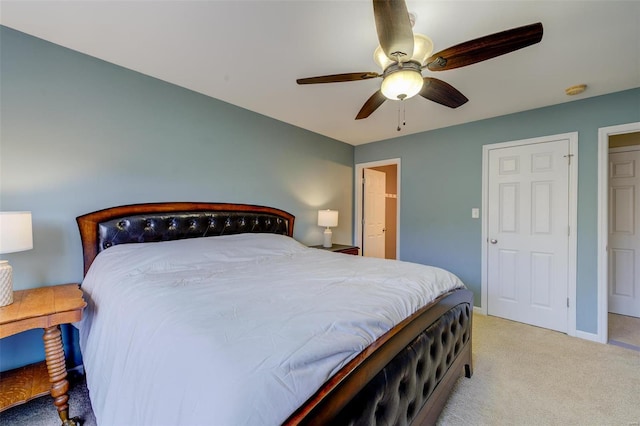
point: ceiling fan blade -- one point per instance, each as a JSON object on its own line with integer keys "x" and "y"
{"x": 338, "y": 78}
{"x": 443, "y": 93}
{"x": 394, "y": 29}
{"x": 486, "y": 47}
{"x": 371, "y": 105}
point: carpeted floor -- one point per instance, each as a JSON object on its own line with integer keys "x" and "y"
{"x": 42, "y": 412}
{"x": 523, "y": 375}
{"x": 624, "y": 329}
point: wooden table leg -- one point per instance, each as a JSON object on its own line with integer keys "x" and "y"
{"x": 54, "y": 353}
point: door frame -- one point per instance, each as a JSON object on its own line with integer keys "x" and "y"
{"x": 602, "y": 334}
{"x": 357, "y": 228}
{"x": 573, "y": 220}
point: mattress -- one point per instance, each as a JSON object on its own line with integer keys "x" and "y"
{"x": 234, "y": 330}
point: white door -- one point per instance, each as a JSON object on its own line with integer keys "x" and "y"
{"x": 528, "y": 233}
{"x": 373, "y": 240}
{"x": 624, "y": 239}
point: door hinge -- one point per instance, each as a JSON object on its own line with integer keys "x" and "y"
{"x": 568, "y": 231}
{"x": 567, "y": 302}
{"x": 568, "y": 157}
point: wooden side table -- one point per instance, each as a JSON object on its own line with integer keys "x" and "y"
{"x": 46, "y": 308}
{"x": 340, "y": 248}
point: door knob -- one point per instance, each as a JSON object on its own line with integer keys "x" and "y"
{"x": 494, "y": 241}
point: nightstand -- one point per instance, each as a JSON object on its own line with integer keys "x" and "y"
{"x": 340, "y": 248}
{"x": 46, "y": 308}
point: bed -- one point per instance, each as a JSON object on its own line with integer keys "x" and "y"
{"x": 165, "y": 340}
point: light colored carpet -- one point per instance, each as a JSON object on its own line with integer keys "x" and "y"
{"x": 524, "y": 375}
{"x": 624, "y": 329}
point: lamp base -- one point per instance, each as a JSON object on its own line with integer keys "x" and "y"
{"x": 6, "y": 283}
{"x": 327, "y": 238}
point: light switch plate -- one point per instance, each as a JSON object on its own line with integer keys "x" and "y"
{"x": 475, "y": 213}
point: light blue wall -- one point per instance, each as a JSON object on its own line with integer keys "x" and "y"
{"x": 441, "y": 182}
{"x": 78, "y": 134}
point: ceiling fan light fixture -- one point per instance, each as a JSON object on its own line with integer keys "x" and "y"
{"x": 381, "y": 58}
{"x": 422, "y": 48}
{"x": 402, "y": 84}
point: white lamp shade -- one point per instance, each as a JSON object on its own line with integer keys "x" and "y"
{"x": 327, "y": 218}
{"x": 15, "y": 232}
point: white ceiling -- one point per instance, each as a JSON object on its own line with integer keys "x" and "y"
{"x": 250, "y": 53}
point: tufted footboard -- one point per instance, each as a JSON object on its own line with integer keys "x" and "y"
{"x": 409, "y": 377}
{"x": 398, "y": 392}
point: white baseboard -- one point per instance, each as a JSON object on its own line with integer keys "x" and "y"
{"x": 579, "y": 334}
{"x": 479, "y": 310}
{"x": 588, "y": 336}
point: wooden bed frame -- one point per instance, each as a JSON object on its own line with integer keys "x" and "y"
{"x": 404, "y": 377}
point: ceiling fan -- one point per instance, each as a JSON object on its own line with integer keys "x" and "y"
{"x": 403, "y": 55}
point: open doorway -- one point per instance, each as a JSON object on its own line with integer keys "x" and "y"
{"x": 618, "y": 263}
{"x": 624, "y": 244}
{"x": 378, "y": 208}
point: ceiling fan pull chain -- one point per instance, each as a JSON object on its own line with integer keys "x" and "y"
{"x": 404, "y": 115}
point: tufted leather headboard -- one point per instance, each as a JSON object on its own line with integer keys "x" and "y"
{"x": 138, "y": 223}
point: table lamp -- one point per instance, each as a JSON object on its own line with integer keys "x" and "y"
{"x": 15, "y": 235}
{"x": 327, "y": 218}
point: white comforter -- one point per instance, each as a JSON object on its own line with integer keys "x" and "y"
{"x": 234, "y": 330}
